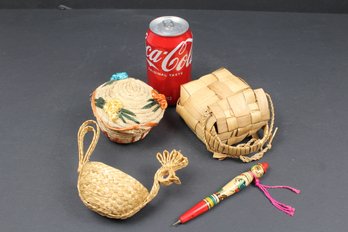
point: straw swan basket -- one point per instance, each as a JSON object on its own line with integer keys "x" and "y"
{"x": 112, "y": 193}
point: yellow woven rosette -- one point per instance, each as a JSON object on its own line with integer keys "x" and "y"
{"x": 113, "y": 193}
{"x": 126, "y": 108}
{"x": 227, "y": 115}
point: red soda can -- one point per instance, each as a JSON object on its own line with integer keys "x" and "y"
{"x": 168, "y": 55}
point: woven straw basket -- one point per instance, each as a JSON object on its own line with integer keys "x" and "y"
{"x": 223, "y": 110}
{"x": 113, "y": 193}
{"x": 127, "y": 109}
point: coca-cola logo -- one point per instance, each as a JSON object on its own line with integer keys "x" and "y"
{"x": 176, "y": 59}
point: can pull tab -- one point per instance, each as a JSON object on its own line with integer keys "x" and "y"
{"x": 168, "y": 24}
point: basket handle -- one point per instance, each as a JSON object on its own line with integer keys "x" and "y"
{"x": 86, "y": 127}
{"x": 262, "y": 151}
{"x": 253, "y": 144}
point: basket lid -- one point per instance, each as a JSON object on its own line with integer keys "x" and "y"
{"x": 121, "y": 103}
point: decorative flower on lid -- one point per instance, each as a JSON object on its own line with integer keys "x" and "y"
{"x": 115, "y": 110}
{"x": 157, "y": 99}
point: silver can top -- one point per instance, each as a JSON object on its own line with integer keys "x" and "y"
{"x": 169, "y": 26}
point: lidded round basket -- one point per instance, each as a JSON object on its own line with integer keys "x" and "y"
{"x": 126, "y": 108}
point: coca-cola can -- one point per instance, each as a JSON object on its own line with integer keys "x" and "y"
{"x": 168, "y": 55}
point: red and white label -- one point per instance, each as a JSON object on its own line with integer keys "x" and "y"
{"x": 170, "y": 61}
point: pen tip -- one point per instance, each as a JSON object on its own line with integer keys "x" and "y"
{"x": 176, "y": 223}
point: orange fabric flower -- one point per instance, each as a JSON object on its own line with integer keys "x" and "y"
{"x": 160, "y": 99}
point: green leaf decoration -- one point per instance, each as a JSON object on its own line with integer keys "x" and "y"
{"x": 109, "y": 82}
{"x": 127, "y": 112}
{"x": 151, "y": 104}
{"x": 156, "y": 108}
{"x": 129, "y": 117}
{"x": 99, "y": 102}
{"x": 122, "y": 118}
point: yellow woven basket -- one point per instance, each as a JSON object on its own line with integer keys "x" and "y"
{"x": 223, "y": 111}
{"x": 127, "y": 109}
{"x": 112, "y": 193}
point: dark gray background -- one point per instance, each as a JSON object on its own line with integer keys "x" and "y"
{"x": 328, "y": 6}
{"x": 52, "y": 60}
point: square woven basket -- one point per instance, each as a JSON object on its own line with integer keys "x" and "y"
{"x": 226, "y": 114}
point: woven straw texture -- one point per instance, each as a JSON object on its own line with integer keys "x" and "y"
{"x": 223, "y": 110}
{"x": 126, "y": 110}
{"x": 113, "y": 193}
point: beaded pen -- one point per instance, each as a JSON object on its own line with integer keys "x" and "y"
{"x": 234, "y": 186}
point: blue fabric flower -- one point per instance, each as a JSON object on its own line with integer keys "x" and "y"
{"x": 119, "y": 76}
